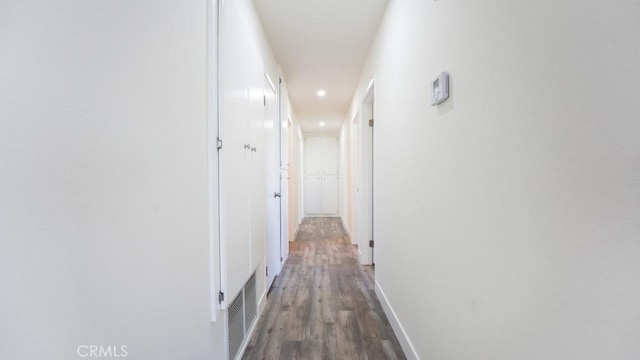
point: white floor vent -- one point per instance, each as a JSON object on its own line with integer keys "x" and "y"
{"x": 240, "y": 316}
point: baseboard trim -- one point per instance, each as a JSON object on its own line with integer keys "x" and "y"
{"x": 295, "y": 233}
{"x": 401, "y": 334}
{"x": 263, "y": 301}
{"x": 344, "y": 225}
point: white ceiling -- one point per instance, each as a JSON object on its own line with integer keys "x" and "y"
{"x": 321, "y": 44}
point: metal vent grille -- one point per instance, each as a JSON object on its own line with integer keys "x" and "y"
{"x": 235, "y": 325}
{"x": 240, "y": 315}
{"x": 250, "y": 305}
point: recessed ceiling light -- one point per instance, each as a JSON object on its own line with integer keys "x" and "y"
{"x": 321, "y": 123}
{"x": 322, "y": 93}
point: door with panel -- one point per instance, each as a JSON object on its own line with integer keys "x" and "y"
{"x": 329, "y": 155}
{"x": 257, "y": 187}
{"x": 321, "y": 180}
{"x": 234, "y": 156}
{"x": 313, "y": 147}
{"x": 273, "y": 195}
{"x": 313, "y": 194}
{"x": 330, "y": 194}
{"x": 284, "y": 125}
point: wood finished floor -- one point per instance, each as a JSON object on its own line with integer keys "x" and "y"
{"x": 323, "y": 304}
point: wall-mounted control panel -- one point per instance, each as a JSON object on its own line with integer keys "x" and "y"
{"x": 440, "y": 89}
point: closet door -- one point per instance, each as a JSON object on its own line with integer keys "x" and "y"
{"x": 330, "y": 155}
{"x": 313, "y": 194}
{"x": 313, "y": 149}
{"x": 330, "y": 194}
{"x": 257, "y": 182}
{"x": 235, "y": 154}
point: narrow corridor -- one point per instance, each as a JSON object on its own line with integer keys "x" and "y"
{"x": 323, "y": 305}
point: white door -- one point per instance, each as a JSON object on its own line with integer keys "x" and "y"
{"x": 284, "y": 172}
{"x": 234, "y": 156}
{"x": 329, "y": 155}
{"x": 330, "y": 194}
{"x": 313, "y": 148}
{"x": 272, "y": 147}
{"x": 313, "y": 194}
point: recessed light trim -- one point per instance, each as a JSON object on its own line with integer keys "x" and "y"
{"x": 322, "y": 93}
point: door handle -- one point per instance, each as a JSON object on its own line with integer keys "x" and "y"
{"x": 276, "y": 195}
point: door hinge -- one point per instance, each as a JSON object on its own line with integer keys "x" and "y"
{"x": 264, "y": 98}
{"x": 370, "y": 243}
{"x": 219, "y": 143}
{"x": 280, "y": 80}
{"x": 370, "y": 122}
{"x": 280, "y": 258}
{"x": 267, "y": 270}
{"x": 220, "y": 297}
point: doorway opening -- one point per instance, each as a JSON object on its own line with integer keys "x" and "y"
{"x": 364, "y": 170}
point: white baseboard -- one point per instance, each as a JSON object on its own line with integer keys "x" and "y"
{"x": 262, "y": 302}
{"x": 344, "y": 225}
{"x": 403, "y": 338}
{"x": 295, "y": 233}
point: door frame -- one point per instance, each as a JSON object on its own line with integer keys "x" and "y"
{"x": 273, "y": 245}
{"x": 213, "y": 136}
{"x": 364, "y": 194}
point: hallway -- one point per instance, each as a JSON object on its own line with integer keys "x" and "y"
{"x": 163, "y": 164}
{"x": 323, "y": 304}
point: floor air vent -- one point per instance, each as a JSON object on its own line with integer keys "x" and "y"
{"x": 240, "y": 315}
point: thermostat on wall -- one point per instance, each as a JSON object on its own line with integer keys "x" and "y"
{"x": 440, "y": 89}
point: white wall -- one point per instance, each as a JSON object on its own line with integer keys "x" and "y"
{"x": 103, "y": 182}
{"x": 295, "y": 174}
{"x": 507, "y": 217}
{"x": 346, "y": 169}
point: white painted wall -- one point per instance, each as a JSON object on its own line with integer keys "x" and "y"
{"x": 346, "y": 169}
{"x": 296, "y": 176}
{"x": 507, "y": 218}
{"x": 103, "y": 182}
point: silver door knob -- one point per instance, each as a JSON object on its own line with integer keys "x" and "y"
{"x": 276, "y": 195}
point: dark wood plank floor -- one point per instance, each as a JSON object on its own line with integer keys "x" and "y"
{"x": 323, "y": 304}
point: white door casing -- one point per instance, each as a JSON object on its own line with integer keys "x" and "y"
{"x": 273, "y": 194}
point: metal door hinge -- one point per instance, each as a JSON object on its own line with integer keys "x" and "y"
{"x": 370, "y": 243}
{"x": 280, "y": 258}
{"x": 219, "y": 143}
{"x": 370, "y": 122}
{"x": 267, "y": 270}
{"x": 264, "y": 97}
{"x": 220, "y": 297}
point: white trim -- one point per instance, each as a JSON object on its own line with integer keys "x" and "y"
{"x": 370, "y": 89}
{"x": 222, "y": 242}
{"x": 401, "y": 334}
{"x": 262, "y": 302}
{"x": 273, "y": 87}
{"x": 346, "y": 228}
{"x": 295, "y": 233}
{"x": 212, "y": 154}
